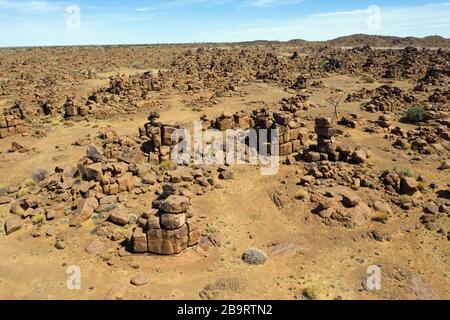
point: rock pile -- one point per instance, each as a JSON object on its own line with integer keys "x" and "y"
{"x": 325, "y": 149}
{"x": 13, "y": 121}
{"x": 167, "y": 229}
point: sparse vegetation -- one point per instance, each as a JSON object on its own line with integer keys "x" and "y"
{"x": 380, "y": 217}
{"x": 415, "y": 114}
{"x": 368, "y": 79}
{"x": 312, "y": 292}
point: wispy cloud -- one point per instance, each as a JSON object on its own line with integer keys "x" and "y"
{"x": 401, "y": 21}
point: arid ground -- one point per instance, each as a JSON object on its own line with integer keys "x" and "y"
{"x": 319, "y": 224}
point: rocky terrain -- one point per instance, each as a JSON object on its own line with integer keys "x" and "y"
{"x": 88, "y": 178}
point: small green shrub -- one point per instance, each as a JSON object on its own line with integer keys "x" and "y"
{"x": 368, "y": 79}
{"x": 415, "y": 114}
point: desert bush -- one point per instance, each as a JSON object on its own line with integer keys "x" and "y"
{"x": 415, "y": 114}
{"x": 301, "y": 195}
{"x": 312, "y": 292}
{"x": 380, "y": 217}
{"x": 405, "y": 172}
{"x": 368, "y": 79}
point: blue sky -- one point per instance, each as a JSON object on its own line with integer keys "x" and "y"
{"x": 53, "y": 22}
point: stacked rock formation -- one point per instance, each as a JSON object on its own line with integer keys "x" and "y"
{"x": 325, "y": 149}
{"x": 13, "y": 121}
{"x": 291, "y": 135}
{"x": 166, "y": 230}
{"x": 160, "y": 135}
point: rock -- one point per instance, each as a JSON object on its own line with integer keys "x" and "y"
{"x": 94, "y": 172}
{"x": 167, "y": 242}
{"x": 96, "y": 246}
{"x": 93, "y": 153}
{"x": 140, "y": 279}
{"x": 175, "y": 204}
{"x": 12, "y": 224}
{"x": 108, "y": 200}
{"x": 60, "y": 245}
{"x": 382, "y": 207}
{"x": 149, "y": 179}
{"x": 431, "y": 208}
{"x": 313, "y": 156}
{"x": 254, "y": 257}
{"x": 139, "y": 241}
{"x": 126, "y": 182}
{"x": 226, "y": 174}
{"x": 118, "y": 292}
{"x": 359, "y": 156}
{"x": 173, "y": 221}
{"x": 84, "y": 211}
{"x": 4, "y": 200}
{"x": 408, "y": 186}
{"x": 307, "y": 180}
{"x": 444, "y": 165}
{"x": 119, "y": 218}
{"x": 350, "y": 199}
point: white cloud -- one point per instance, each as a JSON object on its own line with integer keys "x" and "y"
{"x": 400, "y": 21}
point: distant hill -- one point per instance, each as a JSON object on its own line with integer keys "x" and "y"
{"x": 358, "y": 40}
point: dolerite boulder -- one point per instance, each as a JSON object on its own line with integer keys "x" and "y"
{"x": 167, "y": 242}
{"x": 175, "y": 204}
{"x": 84, "y": 211}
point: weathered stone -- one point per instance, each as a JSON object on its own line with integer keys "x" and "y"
{"x": 408, "y": 186}
{"x": 4, "y": 200}
{"x": 94, "y": 153}
{"x": 359, "y": 156}
{"x": 140, "y": 279}
{"x": 254, "y": 257}
{"x": 350, "y": 199}
{"x": 172, "y": 221}
{"x": 227, "y": 174}
{"x": 382, "y": 207}
{"x": 119, "y": 218}
{"x": 94, "y": 172}
{"x": 12, "y": 224}
{"x": 313, "y": 156}
{"x": 139, "y": 241}
{"x": 167, "y": 242}
{"x": 85, "y": 209}
{"x": 175, "y": 204}
{"x": 126, "y": 182}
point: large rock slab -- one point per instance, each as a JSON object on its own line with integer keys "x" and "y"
{"x": 167, "y": 242}
{"x": 84, "y": 211}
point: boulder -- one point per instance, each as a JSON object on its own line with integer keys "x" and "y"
{"x": 12, "y": 224}
{"x": 85, "y": 209}
{"x": 175, "y": 204}
{"x": 408, "y": 186}
{"x": 254, "y": 257}
{"x": 167, "y": 242}
{"x": 173, "y": 221}
{"x": 119, "y": 218}
{"x": 139, "y": 241}
{"x": 350, "y": 199}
